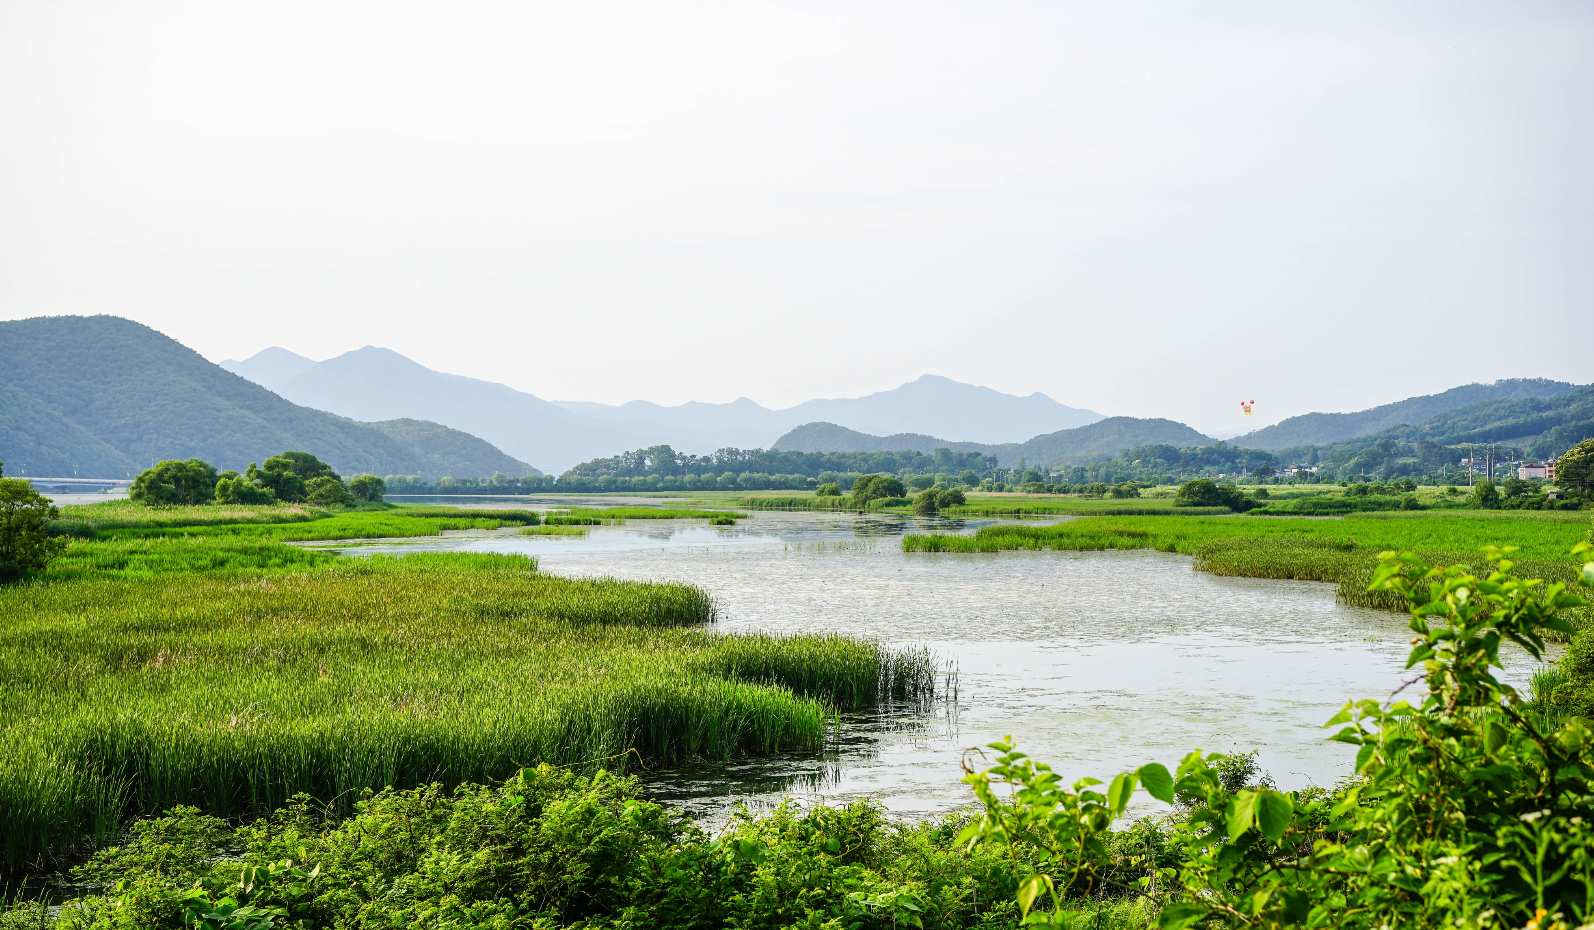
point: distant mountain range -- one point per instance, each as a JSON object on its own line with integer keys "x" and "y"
{"x": 1319, "y": 429}
{"x": 1536, "y": 416}
{"x": 374, "y": 383}
{"x": 105, "y": 397}
{"x": 1101, "y": 439}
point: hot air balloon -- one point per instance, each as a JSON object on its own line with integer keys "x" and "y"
{"x": 1246, "y": 405}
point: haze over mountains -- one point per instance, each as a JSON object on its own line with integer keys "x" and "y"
{"x": 1101, "y": 439}
{"x": 1540, "y": 416}
{"x": 374, "y": 383}
{"x": 106, "y": 397}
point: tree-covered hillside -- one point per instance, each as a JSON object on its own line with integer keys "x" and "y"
{"x": 831, "y": 437}
{"x": 1102, "y": 439}
{"x": 1098, "y": 440}
{"x": 1319, "y": 429}
{"x": 1533, "y": 428}
{"x": 105, "y": 396}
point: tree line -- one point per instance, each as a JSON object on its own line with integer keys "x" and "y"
{"x": 288, "y": 477}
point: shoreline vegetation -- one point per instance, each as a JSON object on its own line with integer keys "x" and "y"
{"x": 550, "y": 846}
{"x": 1341, "y": 550}
{"x": 206, "y": 725}
{"x": 187, "y": 656}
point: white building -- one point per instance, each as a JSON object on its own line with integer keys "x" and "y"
{"x": 1535, "y": 471}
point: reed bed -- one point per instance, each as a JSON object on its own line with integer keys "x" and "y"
{"x": 597, "y": 516}
{"x": 391, "y": 523}
{"x": 797, "y": 502}
{"x": 187, "y": 655}
{"x": 991, "y": 505}
{"x": 1063, "y": 505}
{"x": 234, "y": 691}
{"x": 556, "y": 529}
{"x": 91, "y": 519}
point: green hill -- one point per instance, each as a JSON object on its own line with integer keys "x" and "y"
{"x": 1540, "y": 426}
{"x": 105, "y": 396}
{"x": 831, "y": 437}
{"x": 1102, "y": 439}
{"x": 1530, "y": 427}
{"x": 1320, "y": 429}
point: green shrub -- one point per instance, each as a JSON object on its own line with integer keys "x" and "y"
{"x": 327, "y": 491}
{"x": 233, "y": 488}
{"x": 174, "y": 482}
{"x": 26, "y": 545}
{"x": 367, "y": 488}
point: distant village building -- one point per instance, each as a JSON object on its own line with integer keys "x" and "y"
{"x": 1302, "y": 471}
{"x": 1535, "y": 471}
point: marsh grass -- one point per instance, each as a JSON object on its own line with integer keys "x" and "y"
{"x": 236, "y": 691}
{"x": 797, "y": 502}
{"x": 597, "y": 516}
{"x": 556, "y": 529}
{"x": 219, "y": 666}
{"x": 89, "y": 520}
{"x": 991, "y": 505}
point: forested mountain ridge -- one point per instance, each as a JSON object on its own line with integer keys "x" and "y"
{"x": 1101, "y": 439}
{"x": 1529, "y": 427}
{"x": 1320, "y": 429}
{"x": 832, "y": 437}
{"x": 106, "y": 396}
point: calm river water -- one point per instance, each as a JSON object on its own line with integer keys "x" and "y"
{"x": 1096, "y": 662}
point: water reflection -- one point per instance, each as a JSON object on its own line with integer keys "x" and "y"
{"x": 1096, "y": 662}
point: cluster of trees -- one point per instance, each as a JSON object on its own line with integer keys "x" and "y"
{"x": 1204, "y": 492}
{"x": 661, "y": 468}
{"x": 933, "y": 500}
{"x": 664, "y": 462}
{"x": 26, "y": 545}
{"x": 290, "y": 477}
{"x": 929, "y": 496}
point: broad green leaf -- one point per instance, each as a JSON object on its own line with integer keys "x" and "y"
{"x": 1242, "y": 813}
{"x": 1119, "y": 792}
{"x": 1494, "y": 736}
{"x": 1030, "y": 888}
{"x": 1273, "y": 813}
{"x": 1348, "y": 735}
{"x": 1180, "y": 915}
{"x": 1159, "y": 784}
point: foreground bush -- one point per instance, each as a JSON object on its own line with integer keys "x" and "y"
{"x": 547, "y": 848}
{"x": 25, "y": 542}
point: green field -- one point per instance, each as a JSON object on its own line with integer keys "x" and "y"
{"x": 1341, "y": 550}
{"x": 219, "y": 666}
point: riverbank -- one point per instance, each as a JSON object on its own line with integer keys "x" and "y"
{"x": 186, "y": 656}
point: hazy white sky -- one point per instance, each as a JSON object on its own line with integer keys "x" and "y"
{"x": 1155, "y": 209}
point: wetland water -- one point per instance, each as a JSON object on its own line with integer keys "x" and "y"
{"x": 1095, "y": 662}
